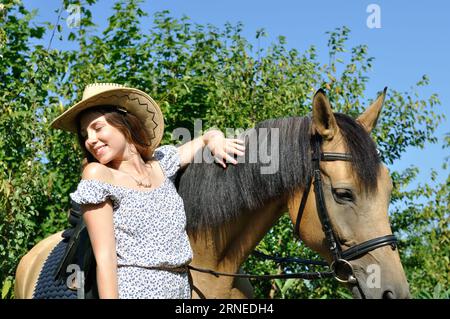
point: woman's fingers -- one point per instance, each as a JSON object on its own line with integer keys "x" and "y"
{"x": 223, "y": 158}
{"x": 236, "y": 144}
{"x": 239, "y": 147}
{"x": 230, "y": 159}
{"x": 235, "y": 149}
{"x": 219, "y": 160}
{"x": 225, "y": 152}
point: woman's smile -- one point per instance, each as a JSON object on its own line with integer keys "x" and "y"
{"x": 99, "y": 150}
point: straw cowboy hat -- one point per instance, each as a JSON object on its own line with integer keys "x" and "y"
{"x": 127, "y": 99}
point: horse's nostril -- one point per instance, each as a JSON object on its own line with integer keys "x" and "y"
{"x": 388, "y": 294}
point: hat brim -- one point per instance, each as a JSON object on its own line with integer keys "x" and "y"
{"x": 134, "y": 101}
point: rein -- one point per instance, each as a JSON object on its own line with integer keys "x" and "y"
{"x": 302, "y": 275}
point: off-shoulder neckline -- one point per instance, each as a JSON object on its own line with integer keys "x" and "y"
{"x": 128, "y": 188}
{"x": 135, "y": 189}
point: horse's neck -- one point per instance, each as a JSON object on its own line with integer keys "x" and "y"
{"x": 227, "y": 248}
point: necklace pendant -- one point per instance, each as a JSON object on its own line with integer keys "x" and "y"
{"x": 140, "y": 183}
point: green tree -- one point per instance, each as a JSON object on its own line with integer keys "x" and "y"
{"x": 422, "y": 220}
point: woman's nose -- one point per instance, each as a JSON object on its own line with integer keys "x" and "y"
{"x": 91, "y": 139}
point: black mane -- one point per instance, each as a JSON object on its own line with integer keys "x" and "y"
{"x": 213, "y": 195}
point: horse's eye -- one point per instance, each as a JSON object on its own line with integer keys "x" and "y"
{"x": 343, "y": 195}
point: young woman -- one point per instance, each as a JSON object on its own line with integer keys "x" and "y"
{"x": 134, "y": 216}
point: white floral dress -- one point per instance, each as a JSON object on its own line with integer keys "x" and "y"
{"x": 150, "y": 231}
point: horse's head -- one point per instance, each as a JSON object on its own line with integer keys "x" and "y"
{"x": 351, "y": 189}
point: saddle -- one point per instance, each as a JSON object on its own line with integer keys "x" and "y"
{"x": 78, "y": 255}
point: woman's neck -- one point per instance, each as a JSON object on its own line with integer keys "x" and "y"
{"x": 131, "y": 162}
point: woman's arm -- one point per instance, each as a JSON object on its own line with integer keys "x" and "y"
{"x": 220, "y": 147}
{"x": 99, "y": 222}
{"x": 100, "y": 226}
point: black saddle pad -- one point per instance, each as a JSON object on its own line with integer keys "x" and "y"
{"x": 47, "y": 287}
{"x": 72, "y": 253}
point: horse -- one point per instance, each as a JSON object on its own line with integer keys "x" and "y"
{"x": 327, "y": 175}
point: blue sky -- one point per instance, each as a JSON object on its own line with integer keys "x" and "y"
{"x": 413, "y": 40}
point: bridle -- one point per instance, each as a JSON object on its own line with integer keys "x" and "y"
{"x": 340, "y": 265}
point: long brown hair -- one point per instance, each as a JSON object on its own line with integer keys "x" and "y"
{"x": 128, "y": 124}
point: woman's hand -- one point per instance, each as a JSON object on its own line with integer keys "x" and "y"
{"x": 223, "y": 149}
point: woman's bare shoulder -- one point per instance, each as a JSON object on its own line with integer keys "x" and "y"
{"x": 98, "y": 172}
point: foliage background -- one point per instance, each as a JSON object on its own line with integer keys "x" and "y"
{"x": 208, "y": 72}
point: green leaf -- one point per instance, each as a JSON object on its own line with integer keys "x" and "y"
{"x": 7, "y": 284}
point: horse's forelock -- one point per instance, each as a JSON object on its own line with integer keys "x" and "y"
{"x": 365, "y": 159}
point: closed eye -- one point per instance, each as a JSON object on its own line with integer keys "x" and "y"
{"x": 343, "y": 195}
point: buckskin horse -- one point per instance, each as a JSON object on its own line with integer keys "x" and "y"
{"x": 329, "y": 178}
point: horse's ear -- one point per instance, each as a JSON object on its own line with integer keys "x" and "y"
{"x": 324, "y": 121}
{"x": 369, "y": 118}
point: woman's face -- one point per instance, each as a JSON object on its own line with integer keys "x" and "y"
{"x": 105, "y": 142}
